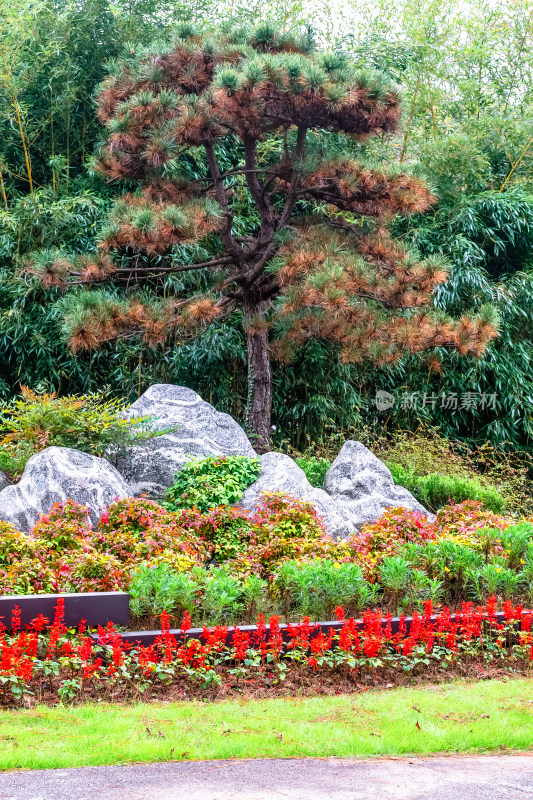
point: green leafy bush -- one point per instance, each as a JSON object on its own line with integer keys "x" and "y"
{"x": 317, "y": 587}
{"x": 222, "y": 598}
{"x": 435, "y": 491}
{"x": 89, "y": 423}
{"x": 215, "y": 595}
{"x": 517, "y": 541}
{"x": 315, "y": 469}
{"x": 154, "y": 590}
{"x": 213, "y": 481}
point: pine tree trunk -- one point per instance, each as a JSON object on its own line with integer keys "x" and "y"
{"x": 259, "y": 379}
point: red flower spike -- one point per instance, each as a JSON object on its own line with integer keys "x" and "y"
{"x": 15, "y": 619}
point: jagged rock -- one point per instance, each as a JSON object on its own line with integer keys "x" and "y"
{"x": 279, "y": 473}
{"x": 4, "y": 481}
{"x": 362, "y": 485}
{"x": 201, "y": 431}
{"x": 58, "y": 474}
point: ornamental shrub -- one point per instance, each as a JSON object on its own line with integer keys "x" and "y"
{"x": 91, "y": 423}
{"x": 136, "y": 514}
{"x": 279, "y": 514}
{"x": 315, "y": 469}
{"x": 27, "y": 575}
{"x": 226, "y": 530}
{"x": 175, "y": 559}
{"x": 387, "y": 536}
{"x": 285, "y": 528}
{"x": 93, "y": 572}
{"x": 264, "y": 558}
{"x": 466, "y": 519}
{"x": 466, "y": 553}
{"x": 66, "y": 527}
{"x": 15, "y": 545}
{"x": 136, "y": 529}
{"x": 211, "y": 482}
{"x": 435, "y": 491}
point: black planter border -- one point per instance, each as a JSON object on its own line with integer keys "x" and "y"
{"x": 146, "y": 638}
{"x": 96, "y": 608}
{"x": 100, "y": 608}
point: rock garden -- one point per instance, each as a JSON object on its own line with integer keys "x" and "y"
{"x": 200, "y": 531}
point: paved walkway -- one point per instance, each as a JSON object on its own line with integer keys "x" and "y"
{"x": 455, "y": 778}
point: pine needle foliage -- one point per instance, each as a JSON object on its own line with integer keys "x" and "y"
{"x": 305, "y": 269}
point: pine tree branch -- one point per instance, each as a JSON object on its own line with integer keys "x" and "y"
{"x": 292, "y": 196}
{"x": 261, "y": 200}
{"x": 220, "y": 193}
{"x": 238, "y": 171}
{"x": 126, "y": 273}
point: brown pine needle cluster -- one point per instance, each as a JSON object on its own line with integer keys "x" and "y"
{"x": 372, "y": 193}
{"x": 144, "y": 226}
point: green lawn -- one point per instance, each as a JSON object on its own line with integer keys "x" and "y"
{"x": 458, "y": 717}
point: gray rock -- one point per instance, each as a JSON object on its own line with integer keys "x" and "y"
{"x": 363, "y": 487}
{"x": 201, "y": 431}
{"x": 279, "y": 473}
{"x": 4, "y": 481}
{"x": 58, "y": 474}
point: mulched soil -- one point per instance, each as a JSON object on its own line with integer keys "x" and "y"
{"x": 298, "y": 683}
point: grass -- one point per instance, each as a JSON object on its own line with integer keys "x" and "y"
{"x": 458, "y": 717}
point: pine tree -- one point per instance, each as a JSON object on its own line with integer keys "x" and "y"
{"x": 319, "y": 260}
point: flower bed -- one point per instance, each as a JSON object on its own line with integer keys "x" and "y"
{"x": 227, "y": 565}
{"x": 51, "y": 664}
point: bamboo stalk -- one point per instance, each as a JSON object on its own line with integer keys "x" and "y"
{"x": 411, "y": 115}
{"x": 53, "y": 143}
{"x": 21, "y": 129}
{"x": 516, "y": 163}
{"x": 434, "y": 123}
{"x": 68, "y": 148}
{"x": 83, "y": 131}
{"x": 2, "y": 185}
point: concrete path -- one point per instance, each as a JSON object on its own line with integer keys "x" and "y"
{"x": 444, "y": 778}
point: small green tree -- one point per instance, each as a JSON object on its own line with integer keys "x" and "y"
{"x": 312, "y": 266}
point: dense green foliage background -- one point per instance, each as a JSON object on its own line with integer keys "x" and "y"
{"x": 465, "y": 71}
